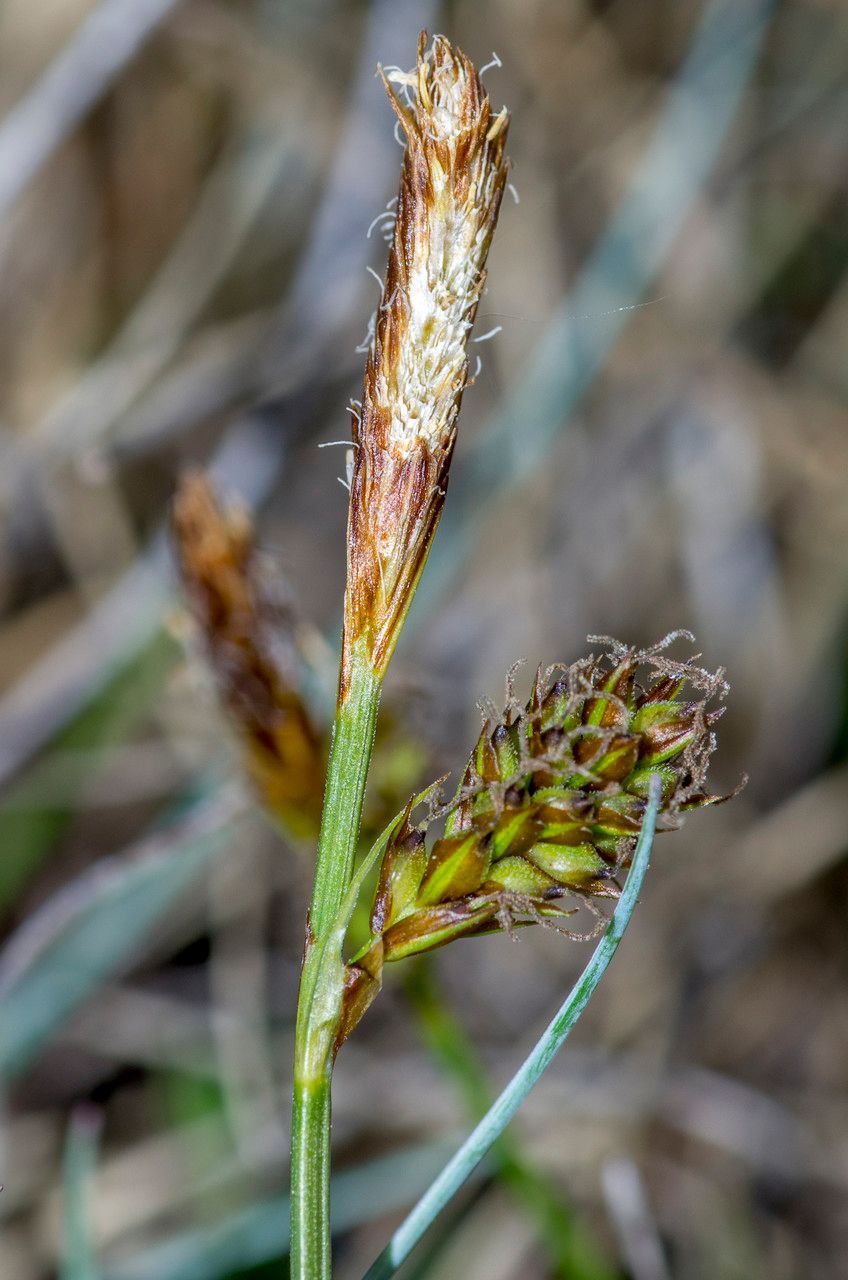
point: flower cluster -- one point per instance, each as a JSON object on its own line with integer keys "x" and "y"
{"x": 550, "y": 805}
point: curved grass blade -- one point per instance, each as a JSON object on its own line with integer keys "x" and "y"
{"x": 540, "y": 1057}
{"x": 92, "y": 929}
{"x": 572, "y": 1251}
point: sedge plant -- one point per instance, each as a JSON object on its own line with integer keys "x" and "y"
{"x": 561, "y": 794}
{"x": 258, "y": 647}
{"x": 452, "y": 181}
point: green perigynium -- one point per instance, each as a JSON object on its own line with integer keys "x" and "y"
{"x": 549, "y": 807}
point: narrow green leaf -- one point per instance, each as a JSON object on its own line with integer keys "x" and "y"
{"x": 93, "y": 928}
{"x": 571, "y": 1249}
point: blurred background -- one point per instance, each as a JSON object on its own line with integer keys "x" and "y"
{"x": 656, "y": 438}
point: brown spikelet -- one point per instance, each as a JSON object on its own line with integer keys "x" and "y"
{"x": 245, "y": 633}
{"x": 452, "y": 180}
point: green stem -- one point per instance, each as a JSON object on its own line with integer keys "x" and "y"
{"x": 551, "y": 1041}
{"x": 347, "y": 771}
{"x": 310, "y": 1204}
{"x": 319, "y": 1002}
